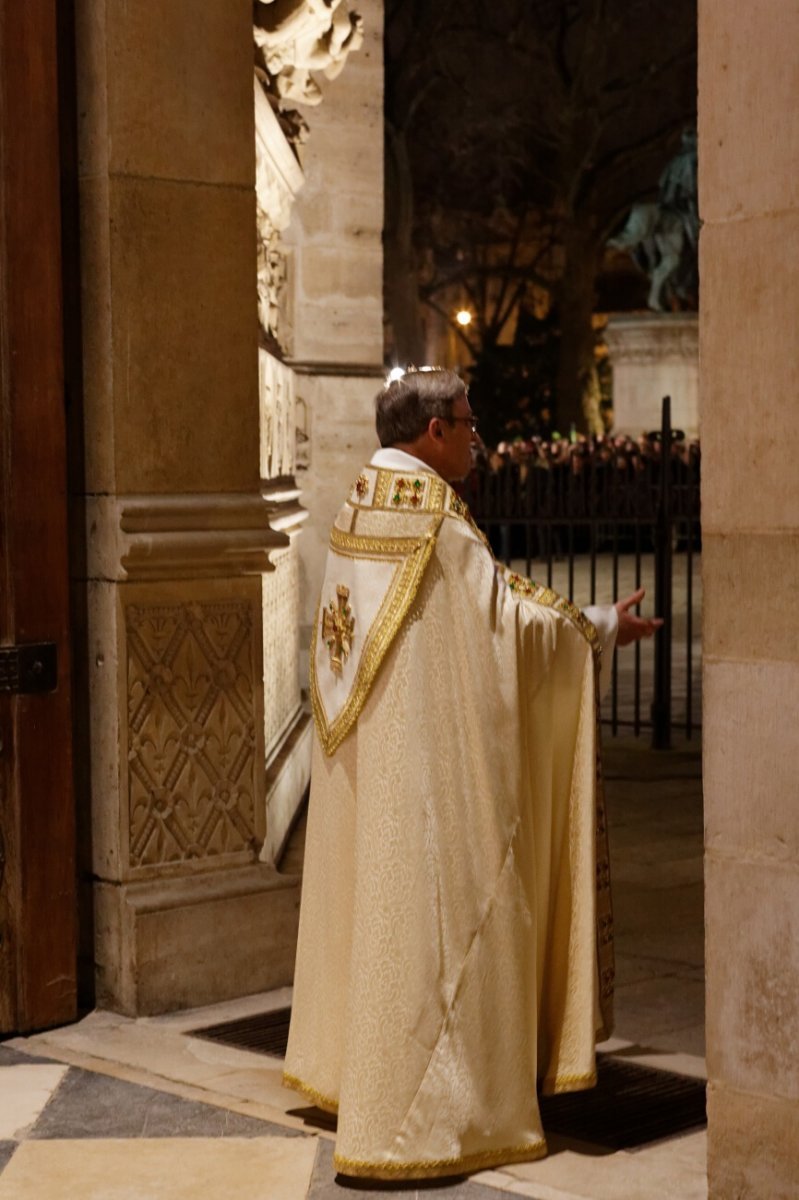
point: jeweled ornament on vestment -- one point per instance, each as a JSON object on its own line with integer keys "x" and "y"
{"x": 407, "y": 493}
{"x": 338, "y": 625}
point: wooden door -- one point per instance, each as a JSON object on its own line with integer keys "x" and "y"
{"x": 37, "y": 888}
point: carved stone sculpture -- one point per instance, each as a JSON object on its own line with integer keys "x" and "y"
{"x": 296, "y": 37}
{"x": 661, "y": 236}
{"x": 679, "y": 188}
{"x": 271, "y": 276}
{"x": 278, "y": 178}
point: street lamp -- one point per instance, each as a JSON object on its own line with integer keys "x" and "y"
{"x": 463, "y": 317}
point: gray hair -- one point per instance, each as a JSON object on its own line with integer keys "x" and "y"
{"x": 405, "y": 407}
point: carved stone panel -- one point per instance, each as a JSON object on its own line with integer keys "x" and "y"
{"x": 194, "y": 746}
{"x": 272, "y": 277}
{"x": 277, "y": 389}
{"x": 281, "y": 602}
{"x": 278, "y": 179}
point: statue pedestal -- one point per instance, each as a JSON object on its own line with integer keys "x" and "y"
{"x": 654, "y": 355}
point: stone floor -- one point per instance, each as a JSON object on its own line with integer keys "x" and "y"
{"x": 119, "y": 1109}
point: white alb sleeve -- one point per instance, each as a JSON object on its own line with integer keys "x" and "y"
{"x": 605, "y": 620}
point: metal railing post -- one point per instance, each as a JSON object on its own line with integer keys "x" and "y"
{"x": 661, "y": 703}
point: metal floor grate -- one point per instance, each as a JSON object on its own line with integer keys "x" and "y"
{"x": 630, "y": 1106}
{"x": 265, "y": 1033}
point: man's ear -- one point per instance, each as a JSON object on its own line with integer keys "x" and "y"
{"x": 435, "y": 429}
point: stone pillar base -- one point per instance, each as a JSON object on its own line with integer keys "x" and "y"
{"x": 182, "y": 943}
{"x": 184, "y": 601}
{"x": 654, "y": 355}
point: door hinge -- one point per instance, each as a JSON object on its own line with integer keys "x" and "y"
{"x": 31, "y": 668}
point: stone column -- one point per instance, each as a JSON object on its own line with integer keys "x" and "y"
{"x": 337, "y": 263}
{"x": 179, "y": 534}
{"x": 749, "y": 379}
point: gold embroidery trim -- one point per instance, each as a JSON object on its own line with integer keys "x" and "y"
{"x": 310, "y": 1093}
{"x": 459, "y": 509}
{"x": 432, "y": 495}
{"x": 433, "y": 1168}
{"x": 414, "y": 554}
{"x": 458, "y": 506}
{"x": 605, "y": 950}
{"x": 519, "y": 585}
{"x": 438, "y": 495}
{"x": 382, "y": 489}
{"x": 362, "y": 545}
{"x": 438, "y": 491}
{"x": 568, "y": 1083}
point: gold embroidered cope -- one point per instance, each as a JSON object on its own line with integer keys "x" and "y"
{"x": 455, "y": 951}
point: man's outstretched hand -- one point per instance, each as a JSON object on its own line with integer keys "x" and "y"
{"x": 631, "y": 627}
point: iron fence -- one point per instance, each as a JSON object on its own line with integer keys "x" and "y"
{"x": 601, "y": 517}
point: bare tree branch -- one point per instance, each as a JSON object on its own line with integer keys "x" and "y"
{"x": 458, "y": 329}
{"x": 566, "y": 108}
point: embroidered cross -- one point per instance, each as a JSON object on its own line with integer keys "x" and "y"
{"x": 337, "y": 626}
{"x": 407, "y": 492}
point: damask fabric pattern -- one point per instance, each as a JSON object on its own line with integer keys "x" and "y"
{"x": 447, "y": 963}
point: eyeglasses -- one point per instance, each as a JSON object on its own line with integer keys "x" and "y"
{"x": 472, "y": 421}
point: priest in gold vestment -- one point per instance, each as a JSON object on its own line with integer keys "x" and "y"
{"x": 455, "y": 945}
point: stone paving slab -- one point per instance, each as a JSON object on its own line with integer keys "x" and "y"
{"x": 88, "y": 1105}
{"x": 276, "y": 1168}
{"x": 25, "y": 1089}
{"x": 10, "y": 1057}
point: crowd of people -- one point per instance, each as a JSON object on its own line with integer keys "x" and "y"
{"x": 609, "y": 477}
{"x": 578, "y": 452}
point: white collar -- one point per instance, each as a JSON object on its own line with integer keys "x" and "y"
{"x": 399, "y": 460}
